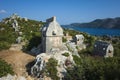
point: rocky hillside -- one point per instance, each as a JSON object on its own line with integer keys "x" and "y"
{"x": 101, "y": 23}
{"x": 16, "y": 29}
{"x": 71, "y": 63}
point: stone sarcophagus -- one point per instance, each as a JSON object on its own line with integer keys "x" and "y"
{"x": 52, "y": 34}
{"x": 102, "y": 48}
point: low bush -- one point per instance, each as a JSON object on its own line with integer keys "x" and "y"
{"x": 65, "y": 54}
{"x": 94, "y": 68}
{"x": 51, "y": 68}
{"x": 5, "y": 68}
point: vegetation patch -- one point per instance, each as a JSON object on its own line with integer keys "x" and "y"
{"x": 94, "y": 68}
{"x": 51, "y": 70}
{"x": 30, "y": 33}
{"x": 64, "y": 39}
{"x": 5, "y": 68}
{"x": 33, "y": 42}
{"x": 65, "y": 54}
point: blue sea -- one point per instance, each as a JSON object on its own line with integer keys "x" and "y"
{"x": 96, "y": 31}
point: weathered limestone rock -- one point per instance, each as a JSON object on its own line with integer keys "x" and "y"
{"x": 16, "y": 47}
{"x": 20, "y": 33}
{"x": 72, "y": 48}
{"x": 14, "y": 16}
{"x": 13, "y": 77}
{"x": 81, "y": 46}
{"x": 15, "y": 25}
{"x": 19, "y": 40}
{"x": 38, "y": 66}
{"x": 43, "y": 58}
{"x": 79, "y": 39}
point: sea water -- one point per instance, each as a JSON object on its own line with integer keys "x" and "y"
{"x": 96, "y": 31}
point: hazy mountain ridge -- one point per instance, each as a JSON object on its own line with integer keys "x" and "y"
{"x": 108, "y": 23}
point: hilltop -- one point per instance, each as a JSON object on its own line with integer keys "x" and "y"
{"x": 17, "y": 33}
{"x": 16, "y": 29}
{"x": 108, "y": 23}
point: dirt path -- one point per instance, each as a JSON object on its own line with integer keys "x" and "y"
{"x": 17, "y": 59}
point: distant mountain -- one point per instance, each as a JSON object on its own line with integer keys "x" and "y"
{"x": 108, "y": 23}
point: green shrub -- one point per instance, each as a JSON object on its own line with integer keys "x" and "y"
{"x": 33, "y": 42}
{"x": 51, "y": 68}
{"x": 76, "y": 59}
{"x": 5, "y": 68}
{"x": 64, "y": 39}
{"x": 4, "y": 45}
{"x": 72, "y": 32}
{"x": 65, "y": 54}
{"x": 94, "y": 68}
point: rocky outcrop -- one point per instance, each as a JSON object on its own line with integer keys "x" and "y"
{"x": 72, "y": 48}
{"x": 10, "y": 77}
{"x": 15, "y": 25}
{"x": 63, "y": 62}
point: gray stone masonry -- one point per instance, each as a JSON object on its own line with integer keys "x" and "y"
{"x": 52, "y": 34}
{"x": 102, "y": 48}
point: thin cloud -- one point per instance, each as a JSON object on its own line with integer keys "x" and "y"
{"x": 3, "y": 11}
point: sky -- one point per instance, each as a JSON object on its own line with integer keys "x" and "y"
{"x": 66, "y": 11}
